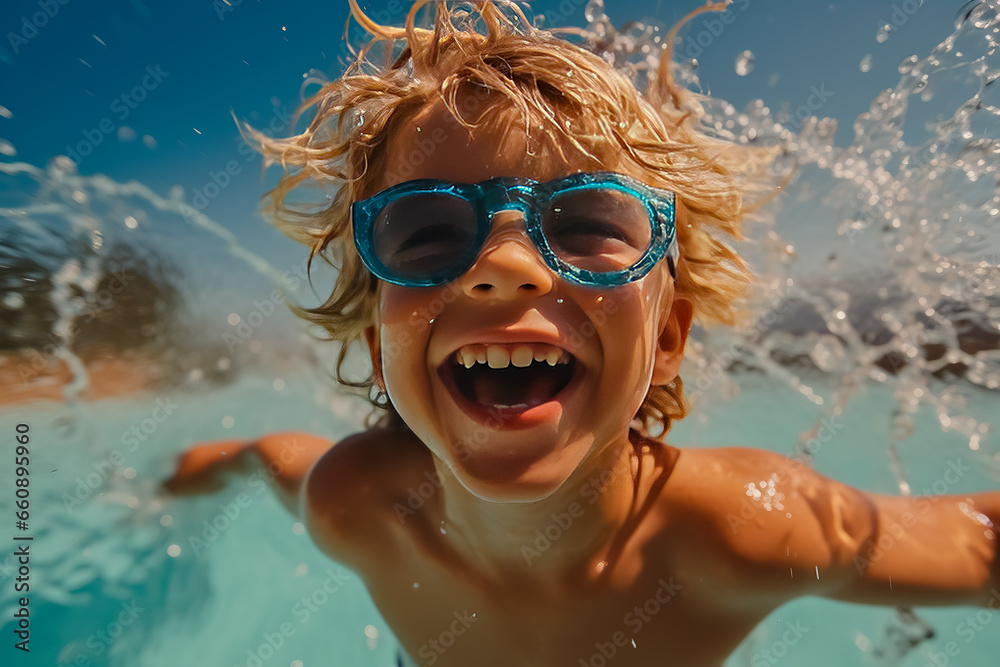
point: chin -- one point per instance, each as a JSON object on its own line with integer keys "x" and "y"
{"x": 509, "y": 480}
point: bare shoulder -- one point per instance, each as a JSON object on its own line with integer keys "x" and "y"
{"x": 350, "y": 494}
{"x": 762, "y": 516}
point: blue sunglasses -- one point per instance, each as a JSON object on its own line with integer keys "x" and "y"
{"x": 600, "y": 229}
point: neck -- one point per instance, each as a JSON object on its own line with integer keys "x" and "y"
{"x": 572, "y": 532}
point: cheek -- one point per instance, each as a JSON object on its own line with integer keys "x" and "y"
{"x": 400, "y": 332}
{"x": 406, "y": 319}
{"x": 625, "y": 321}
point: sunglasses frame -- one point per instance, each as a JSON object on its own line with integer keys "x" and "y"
{"x": 530, "y": 197}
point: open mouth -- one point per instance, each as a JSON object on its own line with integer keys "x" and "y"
{"x": 517, "y": 377}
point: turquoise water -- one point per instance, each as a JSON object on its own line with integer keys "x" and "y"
{"x": 869, "y": 218}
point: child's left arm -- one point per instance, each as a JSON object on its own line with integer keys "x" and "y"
{"x": 772, "y": 529}
{"x": 928, "y": 550}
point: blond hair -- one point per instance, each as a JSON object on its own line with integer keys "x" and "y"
{"x": 578, "y": 99}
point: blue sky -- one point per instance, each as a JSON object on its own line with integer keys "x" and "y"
{"x": 64, "y": 69}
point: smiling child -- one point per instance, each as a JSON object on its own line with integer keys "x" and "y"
{"x": 523, "y": 241}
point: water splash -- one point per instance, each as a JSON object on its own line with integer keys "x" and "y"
{"x": 82, "y": 258}
{"x": 896, "y": 280}
{"x": 744, "y": 63}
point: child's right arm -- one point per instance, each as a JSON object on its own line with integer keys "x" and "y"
{"x": 346, "y": 494}
{"x": 285, "y": 460}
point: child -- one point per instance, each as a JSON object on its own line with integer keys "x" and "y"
{"x": 523, "y": 241}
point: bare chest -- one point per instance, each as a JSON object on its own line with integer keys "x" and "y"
{"x": 444, "y": 619}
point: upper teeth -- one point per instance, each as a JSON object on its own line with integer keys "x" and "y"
{"x": 501, "y": 356}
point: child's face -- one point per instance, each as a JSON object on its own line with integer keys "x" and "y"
{"x": 620, "y": 339}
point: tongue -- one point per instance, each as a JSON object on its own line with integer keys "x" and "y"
{"x": 513, "y": 386}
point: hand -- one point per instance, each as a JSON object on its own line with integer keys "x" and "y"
{"x": 202, "y": 468}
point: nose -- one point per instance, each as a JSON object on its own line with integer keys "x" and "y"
{"x": 509, "y": 265}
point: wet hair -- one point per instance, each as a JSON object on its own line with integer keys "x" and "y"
{"x": 533, "y": 76}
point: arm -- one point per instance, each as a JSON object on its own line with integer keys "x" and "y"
{"x": 283, "y": 460}
{"x": 928, "y": 550}
{"x": 816, "y": 536}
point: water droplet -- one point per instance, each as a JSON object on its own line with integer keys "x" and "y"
{"x": 594, "y": 10}
{"x": 744, "y": 63}
{"x": 866, "y": 63}
{"x": 443, "y": 531}
{"x": 416, "y": 585}
{"x": 984, "y": 17}
{"x": 61, "y": 165}
{"x": 882, "y": 33}
{"x": 13, "y": 301}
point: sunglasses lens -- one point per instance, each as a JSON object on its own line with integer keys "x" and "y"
{"x": 597, "y": 229}
{"x": 424, "y": 235}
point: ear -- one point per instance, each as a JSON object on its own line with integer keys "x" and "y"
{"x": 375, "y": 350}
{"x": 670, "y": 345}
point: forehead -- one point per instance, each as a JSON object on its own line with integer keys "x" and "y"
{"x": 433, "y": 144}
